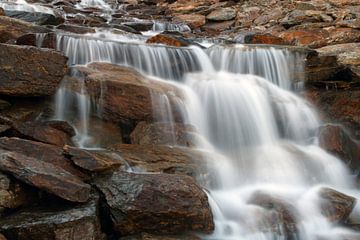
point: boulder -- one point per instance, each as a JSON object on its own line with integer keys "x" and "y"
{"x": 336, "y": 140}
{"x": 28, "y": 71}
{"x": 44, "y": 152}
{"x": 335, "y": 205}
{"x": 164, "y": 159}
{"x": 155, "y": 203}
{"x": 261, "y": 38}
{"x": 45, "y": 176}
{"x": 54, "y": 222}
{"x": 13, "y": 194}
{"x": 75, "y": 29}
{"x": 297, "y": 17}
{"x": 222, "y": 14}
{"x": 192, "y": 20}
{"x": 216, "y": 27}
{"x": 39, "y": 18}
{"x": 94, "y": 160}
{"x": 169, "y": 39}
{"x": 11, "y": 29}
{"x": 44, "y": 40}
{"x": 313, "y": 38}
{"x": 135, "y": 101}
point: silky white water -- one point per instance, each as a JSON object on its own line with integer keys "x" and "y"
{"x": 239, "y": 100}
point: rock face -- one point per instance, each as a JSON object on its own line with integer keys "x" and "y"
{"x": 135, "y": 101}
{"x": 155, "y": 203}
{"x": 44, "y": 176}
{"x": 25, "y": 71}
{"x": 336, "y": 206}
{"x": 65, "y": 223}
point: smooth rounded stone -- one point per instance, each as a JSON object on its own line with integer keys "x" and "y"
{"x": 147, "y": 236}
{"x": 170, "y": 40}
{"x": 94, "y": 160}
{"x": 45, "y": 176}
{"x": 11, "y": 29}
{"x": 155, "y": 203}
{"x": 78, "y": 222}
{"x": 39, "y": 18}
{"x": 192, "y": 20}
{"x": 165, "y": 159}
{"x": 127, "y": 106}
{"x": 283, "y": 221}
{"x": 164, "y": 133}
{"x": 335, "y": 205}
{"x": 44, "y": 152}
{"x": 336, "y": 140}
{"x": 28, "y": 71}
{"x": 13, "y": 194}
{"x": 222, "y": 14}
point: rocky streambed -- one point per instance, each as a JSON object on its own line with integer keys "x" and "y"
{"x": 95, "y": 144}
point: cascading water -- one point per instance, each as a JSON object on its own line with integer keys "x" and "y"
{"x": 264, "y": 133}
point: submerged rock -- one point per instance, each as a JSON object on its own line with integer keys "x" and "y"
{"x": 25, "y": 71}
{"x": 155, "y": 203}
{"x": 44, "y": 176}
{"x": 45, "y": 223}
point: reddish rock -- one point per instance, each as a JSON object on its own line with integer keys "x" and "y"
{"x": 343, "y": 35}
{"x": 192, "y": 20}
{"x": 135, "y": 101}
{"x": 170, "y": 40}
{"x": 258, "y": 38}
{"x": 335, "y": 205}
{"x": 44, "y": 176}
{"x": 218, "y": 27}
{"x": 313, "y": 38}
{"x": 11, "y": 29}
{"x": 164, "y": 134}
{"x": 94, "y": 160}
{"x": 54, "y": 222}
{"x": 155, "y": 203}
{"x": 334, "y": 139}
{"x": 25, "y": 71}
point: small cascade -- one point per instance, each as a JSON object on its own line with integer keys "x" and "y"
{"x": 100, "y": 4}
{"x": 22, "y": 5}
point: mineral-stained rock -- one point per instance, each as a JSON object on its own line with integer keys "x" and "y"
{"x": 30, "y": 71}
{"x": 162, "y": 133}
{"x": 146, "y": 236}
{"x": 44, "y": 176}
{"x": 222, "y": 14}
{"x": 155, "y": 203}
{"x": 285, "y": 218}
{"x": 335, "y": 205}
{"x": 192, "y": 20}
{"x": 313, "y": 38}
{"x": 43, "y": 152}
{"x": 47, "y": 223}
{"x": 94, "y": 160}
{"x": 13, "y": 194}
{"x": 155, "y": 158}
{"x": 337, "y": 141}
{"x": 11, "y": 29}
{"x": 128, "y": 94}
{"x": 170, "y": 40}
{"x": 264, "y": 39}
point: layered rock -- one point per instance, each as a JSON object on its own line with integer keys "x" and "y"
{"x": 155, "y": 203}
{"x": 25, "y": 71}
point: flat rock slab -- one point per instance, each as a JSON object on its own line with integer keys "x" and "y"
{"x": 155, "y": 203}
{"x": 44, "y": 176}
{"x": 75, "y": 223}
{"x": 30, "y": 72}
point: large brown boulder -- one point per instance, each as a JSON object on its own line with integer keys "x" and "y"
{"x": 54, "y": 222}
{"x": 193, "y": 20}
{"x": 169, "y": 39}
{"x": 155, "y": 203}
{"x": 45, "y": 176}
{"x": 29, "y": 71}
{"x": 125, "y": 94}
{"x": 335, "y": 205}
{"x": 11, "y": 29}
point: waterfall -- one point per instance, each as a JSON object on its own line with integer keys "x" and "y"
{"x": 263, "y": 135}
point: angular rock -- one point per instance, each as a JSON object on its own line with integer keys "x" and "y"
{"x": 25, "y": 71}
{"x": 44, "y": 223}
{"x": 313, "y": 38}
{"x": 44, "y": 152}
{"x": 126, "y": 106}
{"x": 13, "y": 194}
{"x": 335, "y": 205}
{"x": 155, "y": 203}
{"x": 44, "y": 176}
{"x": 44, "y": 40}
{"x": 11, "y": 29}
{"x": 62, "y": 126}
{"x": 216, "y": 27}
{"x": 192, "y": 20}
{"x": 75, "y": 29}
{"x": 170, "y": 40}
{"x": 257, "y": 38}
{"x": 222, "y": 14}
{"x": 94, "y": 160}
{"x": 334, "y": 139}
{"x": 38, "y": 18}
{"x": 161, "y": 133}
